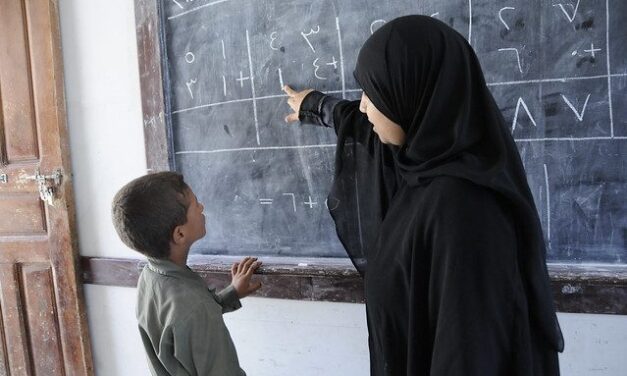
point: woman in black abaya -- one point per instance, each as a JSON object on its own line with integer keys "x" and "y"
{"x": 435, "y": 211}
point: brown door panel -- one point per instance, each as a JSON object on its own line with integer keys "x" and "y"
{"x": 22, "y": 214}
{"x": 18, "y": 107}
{"x": 15, "y": 335}
{"x": 43, "y": 327}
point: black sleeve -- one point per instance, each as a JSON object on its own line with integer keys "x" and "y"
{"x": 317, "y": 108}
{"x": 341, "y": 115}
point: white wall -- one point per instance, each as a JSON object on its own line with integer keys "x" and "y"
{"x": 273, "y": 337}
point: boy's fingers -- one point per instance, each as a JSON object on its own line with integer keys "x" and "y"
{"x": 251, "y": 269}
{"x": 247, "y": 264}
{"x": 242, "y": 264}
{"x": 240, "y": 267}
{"x": 234, "y": 268}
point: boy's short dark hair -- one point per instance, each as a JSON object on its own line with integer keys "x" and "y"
{"x": 147, "y": 210}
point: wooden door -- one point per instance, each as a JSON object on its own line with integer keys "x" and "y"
{"x": 43, "y": 328}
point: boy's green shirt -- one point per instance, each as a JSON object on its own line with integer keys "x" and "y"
{"x": 181, "y": 325}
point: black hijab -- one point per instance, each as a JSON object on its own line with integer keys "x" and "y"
{"x": 424, "y": 76}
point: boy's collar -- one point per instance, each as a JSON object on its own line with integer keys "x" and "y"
{"x": 169, "y": 268}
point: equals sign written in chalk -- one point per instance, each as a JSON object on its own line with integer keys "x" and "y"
{"x": 265, "y": 201}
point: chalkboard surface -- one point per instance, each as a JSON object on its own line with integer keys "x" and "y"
{"x": 558, "y": 70}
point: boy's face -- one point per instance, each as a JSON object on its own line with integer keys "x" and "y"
{"x": 195, "y": 225}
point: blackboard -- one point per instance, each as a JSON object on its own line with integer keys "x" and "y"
{"x": 558, "y": 70}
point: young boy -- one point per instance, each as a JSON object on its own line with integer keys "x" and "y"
{"x": 180, "y": 320}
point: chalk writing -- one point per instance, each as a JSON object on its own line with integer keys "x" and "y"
{"x": 578, "y": 114}
{"x": 241, "y": 79}
{"x": 562, "y": 66}
{"x": 517, "y": 56}
{"x": 189, "y": 87}
{"x": 522, "y": 103}
{"x": 570, "y": 18}
{"x": 375, "y": 22}
{"x": 293, "y": 196}
{"x": 178, "y": 4}
{"x": 310, "y": 203}
{"x": 306, "y": 35}
{"x": 316, "y": 66}
{"x": 592, "y": 50}
{"x": 273, "y": 37}
{"x": 334, "y": 205}
{"x": 501, "y": 16}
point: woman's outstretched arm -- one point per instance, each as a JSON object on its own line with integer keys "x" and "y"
{"x": 314, "y": 107}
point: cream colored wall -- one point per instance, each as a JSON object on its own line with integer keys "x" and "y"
{"x": 273, "y": 337}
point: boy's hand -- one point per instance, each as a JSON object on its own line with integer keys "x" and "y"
{"x": 295, "y": 99}
{"x": 241, "y": 274}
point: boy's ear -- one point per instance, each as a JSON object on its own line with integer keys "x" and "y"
{"x": 178, "y": 235}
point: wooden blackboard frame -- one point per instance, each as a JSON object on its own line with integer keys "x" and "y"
{"x": 576, "y": 289}
{"x": 580, "y": 289}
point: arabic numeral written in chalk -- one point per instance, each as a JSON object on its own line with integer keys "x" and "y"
{"x": 317, "y": 65}
{"x": 306, "y": 36}
{"x": 273, "y": 38}
{"x": 189, "y": 87}
{"x": 374, "y": 24}
{"x": 316, "y": 68}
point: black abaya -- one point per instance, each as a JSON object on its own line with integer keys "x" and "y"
{"x": 443, "y": 228}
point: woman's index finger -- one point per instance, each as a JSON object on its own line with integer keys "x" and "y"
{"x": 288, "y": 90}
